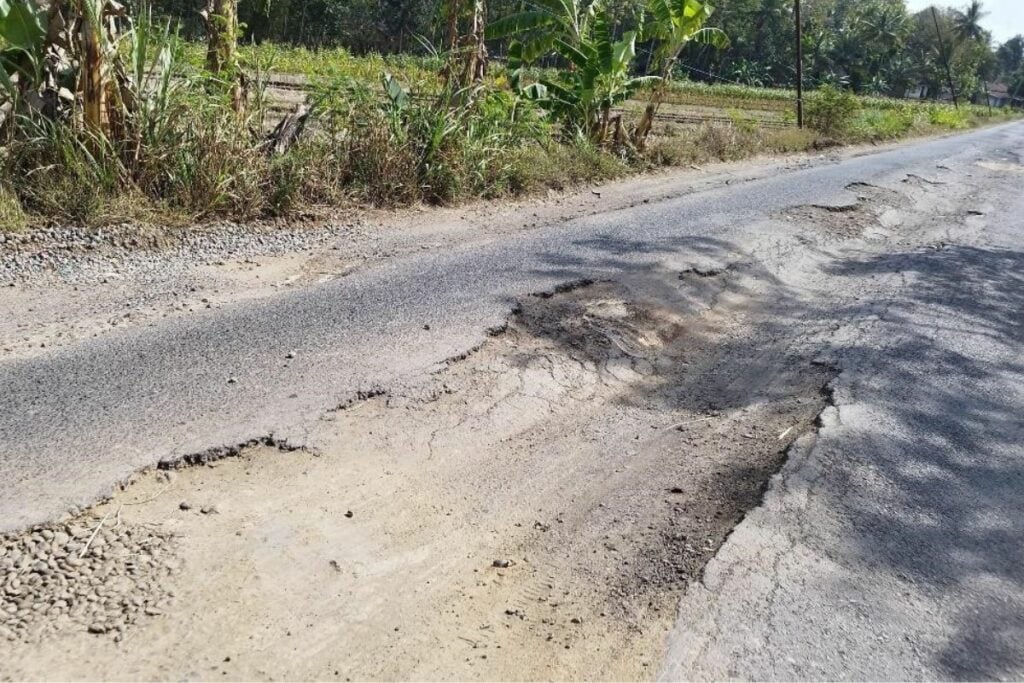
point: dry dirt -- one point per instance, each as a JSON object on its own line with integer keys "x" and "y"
{"x": 533, "y": 511}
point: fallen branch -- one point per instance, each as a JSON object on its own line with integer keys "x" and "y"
{"x": 287, "y": 132}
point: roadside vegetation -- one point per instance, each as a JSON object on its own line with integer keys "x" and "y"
{"x": 115, "y": 115}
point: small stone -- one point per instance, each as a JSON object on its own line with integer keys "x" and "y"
{"x": 290, "y": 355}
{"x": 97, "y": 627}
{"x": 209, "y": 510}
{"x": 232, "y": 380}
{"x": 501, "y": 564}
{"x": 349, "y": 514}
{"x": 184, "y": 505}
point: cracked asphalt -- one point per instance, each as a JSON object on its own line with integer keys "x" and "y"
{"x": 891, "y": 545}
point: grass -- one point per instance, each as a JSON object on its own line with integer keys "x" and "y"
{"x": 190, "y": 157}
{"x": 326, "y": 65}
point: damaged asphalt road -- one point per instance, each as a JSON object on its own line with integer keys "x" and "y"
{"x": 889, "y": 546}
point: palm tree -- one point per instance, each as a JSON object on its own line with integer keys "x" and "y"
{"x": 967, "y": 24}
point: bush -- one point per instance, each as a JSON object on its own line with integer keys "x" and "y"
{"x": 831, "y": 111}
{"x": 947, "y": 117}
{"x": 873, "y": 124}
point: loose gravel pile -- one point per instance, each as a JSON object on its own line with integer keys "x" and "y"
{"x": 64, "y": 577}
{"x": 81, "y": 255}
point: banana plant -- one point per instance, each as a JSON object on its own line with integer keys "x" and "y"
{"x": 599, "y": 76}
{"x": 26, "y": 72}
{"x": 23, "y": 29}
{"x": 541, "y": 27}
{"x": 674, "y": 24}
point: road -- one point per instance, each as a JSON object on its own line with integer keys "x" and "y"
{"x": 891, "y": 543}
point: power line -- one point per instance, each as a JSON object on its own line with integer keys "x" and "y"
{"x": 711, "y": 75}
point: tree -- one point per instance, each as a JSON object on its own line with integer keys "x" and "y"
{"x": 676, "y": 24}
{"x": 465, "y": 22}
{"x": 599, "y": 73}
{"x": 967, "y": 24}
{"x": 222, "y": 35}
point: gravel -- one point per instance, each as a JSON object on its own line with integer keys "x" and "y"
{"x": 80, "y": 256}
{"x": 63, "y": 577}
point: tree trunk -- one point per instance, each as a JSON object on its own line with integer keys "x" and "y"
{"x": 222, "y": 34}
{"x": 451, "y": 37}
{"x": 91, "y": 85}
{"x": 222, "y": 29}
{"x": 475, "y": 67}
{"x": 643, "y": 128}
{"x": 467, "y": 55}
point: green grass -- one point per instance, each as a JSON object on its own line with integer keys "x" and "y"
{"x": 726, "y": 96}
{"x": 328, "y": 64}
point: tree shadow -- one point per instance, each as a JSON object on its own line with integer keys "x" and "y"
{"x": 952, "y": 384}
{"x": 930, "y": 483}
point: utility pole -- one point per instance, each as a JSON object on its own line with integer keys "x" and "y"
{"x": 945, "y": 58}
{"x": 799, "y": 68}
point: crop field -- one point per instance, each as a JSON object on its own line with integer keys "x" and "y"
{"x": 292, "y": 76}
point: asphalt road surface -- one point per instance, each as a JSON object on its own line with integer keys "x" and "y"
{"x": 890, "y": 546}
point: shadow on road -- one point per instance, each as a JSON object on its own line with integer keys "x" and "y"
{"x": 954, "y": 384}
{"x": 933, "y": 488}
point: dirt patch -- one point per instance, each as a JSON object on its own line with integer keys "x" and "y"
{"x": 1002, "y": 166}
{"x": 534, "y": 511}
{"x": 874, "y": 208}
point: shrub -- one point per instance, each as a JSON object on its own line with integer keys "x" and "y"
{"x": 831, "y": 111}
{"x": 947, "y": 117}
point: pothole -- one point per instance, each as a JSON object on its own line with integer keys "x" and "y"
{"x": 849, "y": 221}
{"x": 1001, "y": 166}
{"x": 533, "y": 509}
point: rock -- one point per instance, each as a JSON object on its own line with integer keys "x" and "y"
{"x": 209, "y": 510}
{"x": 501, "y": 564}
{"x": 183, "y": 505}
{"x": 97, "y": 627}
{"x": 349, "y": 514}
{"x": 290, "y": 355}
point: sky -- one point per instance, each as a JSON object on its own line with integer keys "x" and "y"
{"x": 1005, "y": 17}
